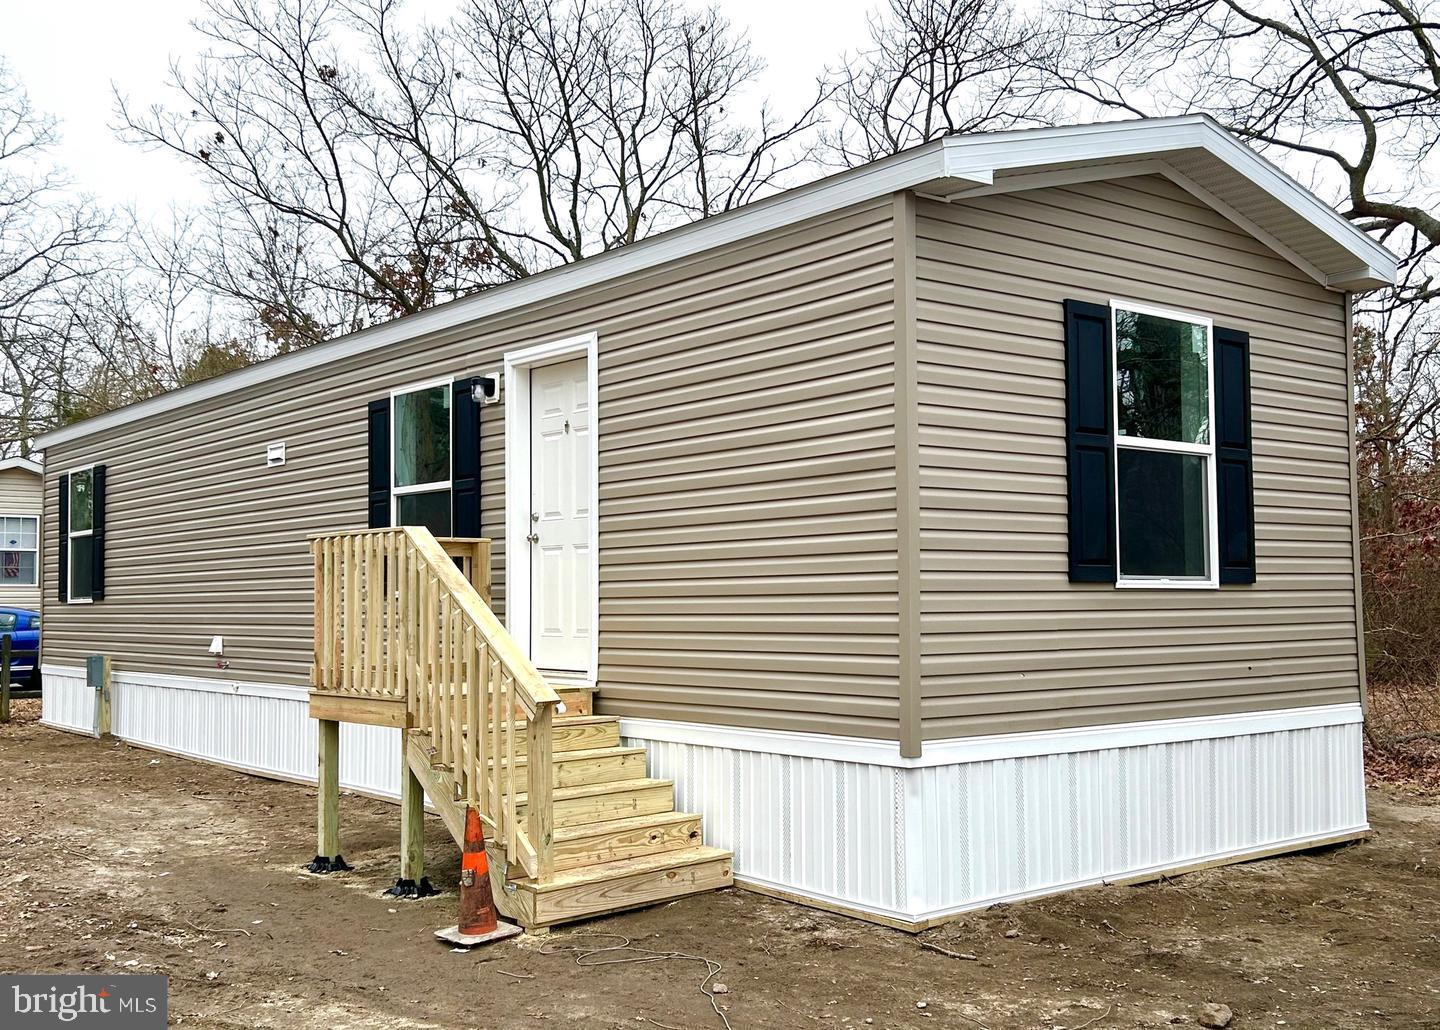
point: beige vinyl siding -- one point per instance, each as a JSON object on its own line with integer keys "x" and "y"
{"x": 1008, "y": 642}
{"x": 20, "y": 494}
{"x": 747, "y": 500}
{"x": 746, "y": 491}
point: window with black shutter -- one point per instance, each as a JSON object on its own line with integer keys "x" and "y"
{"x": 82, "y": 535}
{"x": 425, "y": 457}
{"x": 1158, "y": 446}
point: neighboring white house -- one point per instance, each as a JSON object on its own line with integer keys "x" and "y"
{"x": 21, "y": 498}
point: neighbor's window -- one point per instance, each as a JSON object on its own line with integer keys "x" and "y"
{"x": 420, "y": 458}
{"x": 19, "y": 550}
{"x": 82, "y": 526}
{"x": 1164, "y": 450}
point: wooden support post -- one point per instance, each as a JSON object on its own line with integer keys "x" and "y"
{"x": 412, "y": 821}
{"x": 329, "y": 779}
{"x": 327, "y": 856}
{"x": 413, "y": 882}
{"x": 5, "y": 678}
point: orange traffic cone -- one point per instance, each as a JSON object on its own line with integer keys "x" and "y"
{"x": 479, "y": 923}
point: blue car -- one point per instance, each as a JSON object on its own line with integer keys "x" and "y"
{"x": 22, "y": 626}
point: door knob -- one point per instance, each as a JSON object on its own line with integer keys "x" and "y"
{"x": 534, "y": 538}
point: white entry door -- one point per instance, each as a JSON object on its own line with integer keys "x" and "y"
{"x": 561, "y": 593}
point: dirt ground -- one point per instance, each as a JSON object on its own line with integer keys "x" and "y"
{"x": 113, "y": 858}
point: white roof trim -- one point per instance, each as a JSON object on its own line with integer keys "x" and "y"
{"x": 22, "y": 463}
{"x": 962, "y": 160}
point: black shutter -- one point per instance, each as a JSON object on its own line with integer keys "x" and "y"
{"x": 1090, "y": 442}
{"x": 379, "y": 496}
{"x": 1234, "y": 475}
{"x": 62, "y": 588}
{"x": 465, "y": 457}
{"x": 97, "y": 535}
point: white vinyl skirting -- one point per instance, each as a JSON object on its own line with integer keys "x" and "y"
{"x": 1004, "y": 818}
{"x": 850, "y": 823}
{"x": 259, "y": 728}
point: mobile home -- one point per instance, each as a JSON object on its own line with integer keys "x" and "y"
{"x": 966, "y": 526}
{"x": 21, "y": 501}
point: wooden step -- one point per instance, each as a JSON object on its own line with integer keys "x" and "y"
{"x": 579, "y": 700}
{"x": 593, "y": 765}
{"x": 601, "y": 802}
{"x": 572, "y": 768}
{"x": 617, "y": 839}
{"x": 615, "y": 886}
{"x": 576, "y": 733}
{"x": 582, "y": 733}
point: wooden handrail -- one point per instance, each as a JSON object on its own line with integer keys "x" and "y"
{"x": 397, "y": 620}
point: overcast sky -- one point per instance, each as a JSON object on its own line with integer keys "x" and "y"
{"x": 67, "y": 53}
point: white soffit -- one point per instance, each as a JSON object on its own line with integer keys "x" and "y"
{"x": 1192, "y": 149}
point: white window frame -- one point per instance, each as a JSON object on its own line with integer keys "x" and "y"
{"x": 1211, "y": 580}
{"x": 18, "y": 585}
{"x": 71, "y": 535}
{"x": 396, "y": 492}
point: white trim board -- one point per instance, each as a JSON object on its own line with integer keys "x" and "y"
{"x": 992, "y": 747}
{"x": 205, "y": 684}
{"x": 518, "y": 364}
{"x": 1354, "y": 261}
{"x": 857, "y": 750}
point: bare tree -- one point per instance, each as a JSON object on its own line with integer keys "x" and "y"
{"x": 1349, "y": 89}
{"x": 1346, "y": 94}
{"x": 264, "y": 118}
{"x": 618, "y": 115}
{"x": 146, "y": 323}
{"x": 935, "y": 68}
{"x": 49, "y": 242}
{"x": 364, "y": 166}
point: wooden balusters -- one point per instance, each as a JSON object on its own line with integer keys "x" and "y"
{"x": 397, "y": 621}
{"x": 497, "y": 752}
{"x": 512, "y": 824}
{"x": 457, "y": 701}
{"x": 539, "y": 812}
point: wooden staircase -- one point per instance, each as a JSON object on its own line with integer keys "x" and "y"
{"x": 582, "y": 833}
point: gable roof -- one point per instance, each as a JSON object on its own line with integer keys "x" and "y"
{"x": 24, "y": 464}
{"x": 1192, "y": 150}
